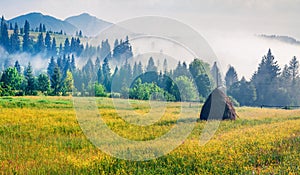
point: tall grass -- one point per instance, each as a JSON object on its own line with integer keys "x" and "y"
{"x": 40, "y": 135}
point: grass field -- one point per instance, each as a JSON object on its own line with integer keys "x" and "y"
{"x": 41, "y": 135}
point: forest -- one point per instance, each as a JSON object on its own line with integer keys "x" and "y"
{"x": 269, "y": 85}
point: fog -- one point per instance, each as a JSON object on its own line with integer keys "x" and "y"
{"x": 244, "y": 51}
{"x": 38, "y": 62}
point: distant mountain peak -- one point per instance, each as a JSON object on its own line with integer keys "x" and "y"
{"x": 85, "y": 14}
{"x": 35, "y": 13}
{"x": 88, "y": 24}
{"x": 51, "y": 23}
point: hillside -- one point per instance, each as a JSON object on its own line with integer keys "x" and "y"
{"x": 89, "y": 25}
{"x": 51, "y": 23}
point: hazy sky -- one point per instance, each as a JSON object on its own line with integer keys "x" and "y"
{"x": 229, "y": 26}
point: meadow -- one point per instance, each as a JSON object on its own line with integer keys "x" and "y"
{"x": 41, "y": 135}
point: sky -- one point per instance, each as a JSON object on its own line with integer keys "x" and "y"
{"x": 229, "y": 26}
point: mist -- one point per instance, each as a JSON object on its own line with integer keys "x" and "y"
{"x": 38, "y": 62}
{"x": 244, "y": 51}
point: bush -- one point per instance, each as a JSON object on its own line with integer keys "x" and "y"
{"x": 100, "y": 90}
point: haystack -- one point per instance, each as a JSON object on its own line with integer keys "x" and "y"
{"x": 218, "y": 107}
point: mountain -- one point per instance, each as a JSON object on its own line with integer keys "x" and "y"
{"x": 50, "y": 22}
{"x": 285, "y": 39}
{"x": 89, "y": 25}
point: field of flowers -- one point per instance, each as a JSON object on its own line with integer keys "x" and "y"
{"x": 41, "y": 135}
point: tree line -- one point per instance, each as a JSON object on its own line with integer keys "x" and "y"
{"x": 269, "y": 85}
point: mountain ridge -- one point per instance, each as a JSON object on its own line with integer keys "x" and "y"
{"x": 281, "y": 38}
{"x": 51, "y": 23}
{"x": 89, "y": 25}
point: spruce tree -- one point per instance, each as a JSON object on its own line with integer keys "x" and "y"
{"x": 53, "y": 47}
{"x": 40, "y": 45}
{"x": 265, "y": 80}
{"x": 43, "y": 83}
{"x": 216, "y": 74}
{"x": 294, "y": 69}
{"x": 106, "y": 75}
{"x": 51, "y": 67}
{"x": 56, "y": 81}
{"x": 48, "y": 43}
{"x": 26, "y": 39}
{"x": 4, "y": 35}
{"x": 67, "y": 49}
{"x": 151, "y": 66}
{"x": 15, "y": 40}
{"x": 30, "y": 80}
{"x": 18, "y": 66}
{"x": 73, "y": 64}
{"x": 165, "y": 66}
{"x": 231, "y": 77}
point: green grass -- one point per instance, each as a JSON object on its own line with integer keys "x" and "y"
{"x": 41, "y": 135}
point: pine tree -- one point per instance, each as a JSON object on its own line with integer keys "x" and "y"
{"x": 67, "y": 49}
{"x": 43, "y": 83}
{"x": 18, "y": 66}
{"x": 294, "y": 68}
{"x": 79, "y": 47}
{"x": 165, "y": 66}
{"x": 68, "y": 83}
{"x": 204, "y": 85}
{"x": 60, "y": 63}
{"x": 135, "y": 73}
{"x": 140, "y": 68}
{"x": 26, "y": 39}
{"x": 61, "y": 51}
{"x": 181, "y": 70}
{"x": 73, "y": 45}
{"x": 41, "y": 28}
{"x": 216, "y": 74}
{"x": 244, "y": 92}
{"x": 56, "y": 81}
{"x": 105, "y": 51}
{"x": 40, "y": 45}
{"x": 11, "y": 26}
{"x": 99, "y": 76}
{"x": 53, "y": 47}
{"x": 4, "y": 35}
{"x": 106, "y": 75}
{"x": 44, "y": 28}
{"x": 15, "y": 40}
{"x": 97, "y": 63}
{"x": 198, "y": 67}
{"x": 51, "y": 67}
{"x": 30, "y": 80}
{"x": 265, "y": 80}
{"x": 231, "y": 77}
{"x": 73, "y": 64}
{"x": 151, "y": 66}
{"x": 48, "y": 43}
